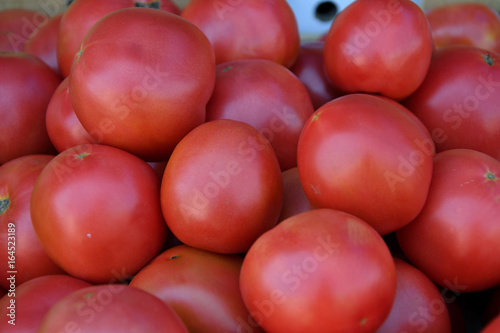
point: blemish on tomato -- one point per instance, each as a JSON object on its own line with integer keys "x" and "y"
{"x": 227, "y": 68}
{"x": 82, "y": 155}
{"x": 362, "y": 321}
{"x": 174, "y": 257}
{"x": 4, "y": 205}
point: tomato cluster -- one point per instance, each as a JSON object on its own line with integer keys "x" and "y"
{"x": 203, "y": 169}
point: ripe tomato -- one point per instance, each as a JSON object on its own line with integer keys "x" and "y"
{"x": 111, "y": 308}
{"x": 473, "y": 24}
{"x": 379, "y": 46}
{"x": 89, "y": 204}
{"x": 26, "y": 86}
{"x": 154, "y": 94}
{"x": 17, "y": 25}
{"x": 294, "y": 198}
{"x": 263, "y": 29}
{"x": 367, "y": 156}
{"x": 493, "y": 326}
{"x": 222, "y": 187}
{"x": 267, "y": 96}
{"x": 202, "y": 287}
{"x": 460, "y": 107}
{"x": 63, "y": 127}
{"x": 418, "y": 306}
{"x": 22, "y": 248}
{"x": 33, "y": 299}
{"x": 81, "y": 15}
{"x": 454, "y": 240}
{"x": 319, "y": 271}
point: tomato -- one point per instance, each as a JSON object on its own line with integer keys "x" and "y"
{"x": 310, "y": 70}
{"x": 111, "y": 308}
{"x": 267, "y": 96}
{"x": 17, "y": 25}
{"x": 26, "y": 86}
{"x": 364, "y": 155}
{"x": 237, "y": 29}
{"x": 202, "y": 287}
{"x": 460, "y": 107}
{"x": 319, "y": 271}
{"x": 222, "y": 187}
{"x": 493, "y": 326}
{"x": 418, "y": 306}
{"x": 294, "y": 198}
{"x": 63, "y": 127}
{"x": 26, "y": 305}
{"x": 22, "y": 250}
{"x": 379, "y": 46}
{"x": 154, "y": 94}
{"x": 473, "y": 24}
{"x": 81, "y": 15}
{"x": 454, "y": 240}
{"x": 89, "y": 204}
{"x": 42, "y": 43}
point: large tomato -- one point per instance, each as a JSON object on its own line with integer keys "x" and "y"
{"x": 379, "y": 46}
{"x": 26, "y": 87}
{"x": 81, "y": 15}
{"x": 202, "y": 287}
{"x": 22, "y": 252}
{"x": 157, "y": 71}
{"x": 267, "y": 96}
{"x": 96, "y": 211}
{"x": 469, "y": 23}
{"x": 454, "y": 240}
{"x": 111, "y": 308}
{"x": 319, "y": 271}
{"x": 460, "y": 107}
{"x": 222, "y": 187}
{"x": 369, "y": 157}
{"x": 23, "y": 308}
{"x": 237, "y": 29}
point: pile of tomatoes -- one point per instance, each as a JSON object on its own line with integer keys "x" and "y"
{"x": 204, "y": 170}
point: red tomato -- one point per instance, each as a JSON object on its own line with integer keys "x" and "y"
{"x": 63, "y": 127}
{"x": 29, "y": 302}
{"x": 17, "y": 25}
{"x": 111, "y": 308}
{"x": 294, "y": 198}
{"x": 460, "y": 107}
{"x": 379, "y": 46}
{"x": 310, "y": 70}
{"x": 22, "y": 250}
{"x": 263, "y": 29}
{"x": 319, "y": 271}
{"x": 454, "y": 240}
{"x": 493, "y": 326}
{"x": 42, "y": 43}
{"x": 473, "y": 24}
{"x": 364, "y": 155}
{"x": 78, "y": 18}
{"x": 202, "y": 287}
{"x": 267, "y": 96}
{"x": 26, "y": 86}
{"x": 418, "y": 306}
{"x": 154, "y": 94}
{"x": 96, "y": 211}
{"x": 222, "y": 187}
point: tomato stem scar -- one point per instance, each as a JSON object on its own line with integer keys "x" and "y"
{"x": 4, "y": 205}
{"x": 488, "y": 59}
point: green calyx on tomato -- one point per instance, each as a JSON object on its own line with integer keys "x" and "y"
{"x": 490, "y": 176}
{"x": 488, "y": 59}
{"x": 4, "y": 205}
{"x": 152, "y": 4}
{"x": 82, "y": 155}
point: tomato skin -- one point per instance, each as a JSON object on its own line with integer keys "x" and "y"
{"x": 201, "y": 193}
{"x": 63, "y": 127}
{"x": 34, "y": 298}
{"x": 111, "y": 308}
{"x": 344, "y": 158}
{"x": 263, "y": 29}
{"x": 154, "y": 95}
{"x": 78, "y": 18}
{"x": 458, "y": 224}
{"x": 473, "y": 24}
{"x": 201, "y": 286}
{"x": 418, "y": 306}
{"x": 26, "y": 86}
{"x": 267, "y": 96}
{"x": 17, "y": 178}
{"x": 493, "y": 326}
{"x": 92, "y": 201}
{"x": 379, "y": 46}
{"x": 329, "y": 262}
{"x": 16, "y": 26}
{"x": 460, "y": 107}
